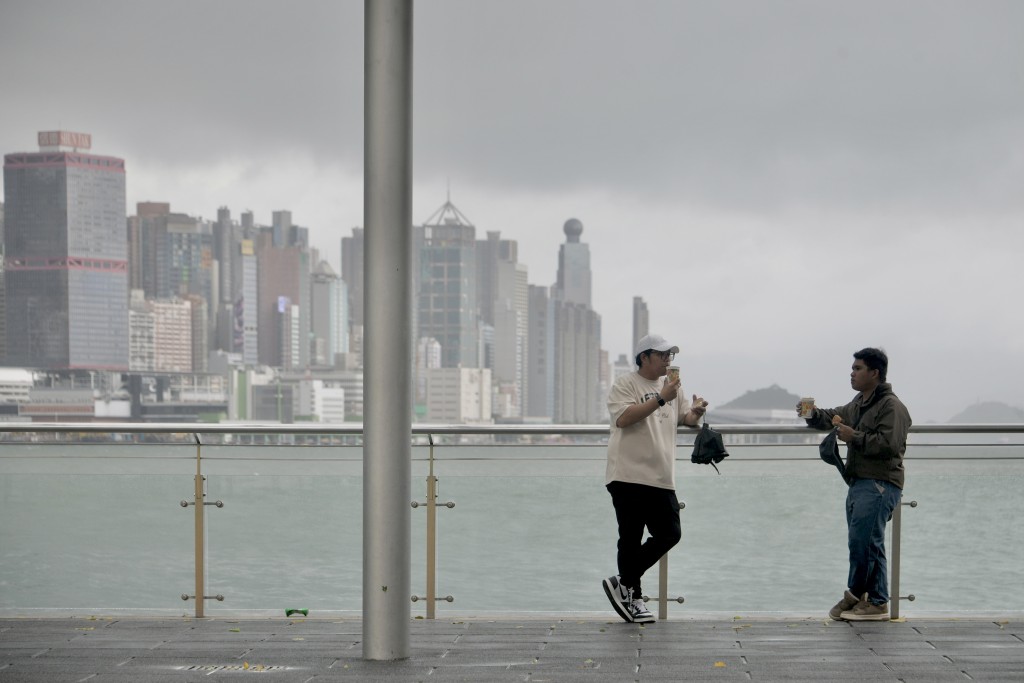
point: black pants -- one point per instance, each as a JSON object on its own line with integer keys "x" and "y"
{"x": 638, "y": 506}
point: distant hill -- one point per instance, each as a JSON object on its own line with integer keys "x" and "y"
{"x": 769, "y": 398}
{"x": 989, "y": 411}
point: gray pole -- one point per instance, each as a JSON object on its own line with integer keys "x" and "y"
{"x": 387, "y": 349}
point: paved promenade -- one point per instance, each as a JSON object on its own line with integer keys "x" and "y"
{"x": 165, "y": 650}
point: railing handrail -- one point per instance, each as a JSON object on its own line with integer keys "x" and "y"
{"x": 425, "y": 429}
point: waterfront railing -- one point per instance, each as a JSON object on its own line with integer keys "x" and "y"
{"x": 266, "y": 519}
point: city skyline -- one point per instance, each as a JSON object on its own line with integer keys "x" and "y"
{"x": 810, "y": 178}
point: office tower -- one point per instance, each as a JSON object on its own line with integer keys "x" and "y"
{"x": 504, "y": 305}
{"x": 577, "y": 361}
{"x": 288, "y": 324}
{"x": 224, "y": 237}
{"x": 459, "y": 395}
{"x": 141, "y": 334}
{"x": 147, "y": 247}
{"x": 352, "y": 252}
{"x": 641, "y": 321}
{"x": 201, "y": 331}
{"x": 540, "y": 393}
{"x": 282, "y": 224}
{"x": 573, "y": 284}
{"x": 623, "y": 366}
{"x": 284, "y": 278}
{"x": 172, "y": 335}
{"x": 577, "y": 335}
{"x": 446, "y": 289}
{"x": 66, "y": 256}
{"x": 330, "y": 316}
{"x": 298, "y": 237}
{"x": 245, "y": 307}
{"x": 248, "y": 224}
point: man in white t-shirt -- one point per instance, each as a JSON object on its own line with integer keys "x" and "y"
{"x": 646, "y": 409}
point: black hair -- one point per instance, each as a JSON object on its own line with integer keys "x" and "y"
{"x": 637, "y": 359}
{"x": 875, "y": 359}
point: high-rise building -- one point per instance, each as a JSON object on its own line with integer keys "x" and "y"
{"x": 284, "y": 306}
{"x": 66, "y": 256}
{"x": 147, "y": 247}
{"x": 225, "y": 235}
{"x": 459, "y": 395}
{"x": 504, "y": 305}
{"x": 282, "y": 225}
{"x": 641, "y": 320}
{"x": 540, "y": 393}
{"x": 573, "y": 284}
{"x": 446, "y": 286}
{"x": 330, "y": 315}
{"x": 576, "y": 333}
{"x": 352, "y": 254}
{"x": 245, "y": 312}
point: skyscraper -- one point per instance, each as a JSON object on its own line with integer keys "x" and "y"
{"x": 504, "y": 306}
{"x": 330, "y": 315}
{"x": 446, "y": 286}
{"x": 641, "y": 320}
{"x": 352, "y": 256}
{"x": 576, "y": 347}
{"x": 66, "y": 256}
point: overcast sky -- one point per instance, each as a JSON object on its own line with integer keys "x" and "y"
{"x": 782, "y": 182}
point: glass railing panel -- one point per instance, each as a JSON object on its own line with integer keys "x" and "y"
{"x": 532, "y": 532}
{"x": 100, "y": 527}
{"x": 963, "y": 545}
{"x": 290, "y": 533}
{"x": 93, "y": 527}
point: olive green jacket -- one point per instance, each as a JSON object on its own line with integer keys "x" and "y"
{"x": 880, "y": 424}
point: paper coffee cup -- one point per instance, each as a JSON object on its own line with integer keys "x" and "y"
{"x": 807, "y": 407}
{"x": 673, "y": 373}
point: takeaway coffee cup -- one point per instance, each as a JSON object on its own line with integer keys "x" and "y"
{"x": 673, "y": 373}
{"x": 807, "y": 407}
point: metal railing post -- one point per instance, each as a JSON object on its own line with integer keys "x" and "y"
{"x": 894, "y": 577}
{"x": 431, "y": 536}
{"x": 199, "y": 534}
{"x": 663, "y": 581}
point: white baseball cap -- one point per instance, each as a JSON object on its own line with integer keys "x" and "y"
{"x": 654, "y": 342}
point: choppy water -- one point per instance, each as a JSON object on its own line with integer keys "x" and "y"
{"x": 100, "y": 528}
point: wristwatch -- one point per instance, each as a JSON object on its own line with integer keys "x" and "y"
{"x": 661, "y": 401}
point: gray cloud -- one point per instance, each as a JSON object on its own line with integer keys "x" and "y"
{"x": 874, "y": 150}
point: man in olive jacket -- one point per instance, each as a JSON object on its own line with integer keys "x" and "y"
{"x": 874, "y": 426}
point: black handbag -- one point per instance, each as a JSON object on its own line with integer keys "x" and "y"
{"x": 829, "y": 451}
{"x": 708, "y": 447}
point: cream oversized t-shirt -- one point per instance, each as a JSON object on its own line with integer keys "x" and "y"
{"x": 644, "y": 452}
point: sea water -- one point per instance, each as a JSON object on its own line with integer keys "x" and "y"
{"x": 100, "y": 528}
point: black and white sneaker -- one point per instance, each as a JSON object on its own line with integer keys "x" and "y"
{"x": 619, "y": 596}
{"x": 641, "y": 615}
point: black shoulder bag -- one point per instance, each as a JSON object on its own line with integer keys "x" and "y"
{"x": 708, "y": 447}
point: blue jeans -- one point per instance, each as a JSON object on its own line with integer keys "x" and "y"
{"x": 869, "y": 506}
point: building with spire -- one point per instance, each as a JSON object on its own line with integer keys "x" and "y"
{"x": 446, "y": 286}
{"x": 579, "y": 393}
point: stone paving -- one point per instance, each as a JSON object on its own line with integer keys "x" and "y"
{"x": 165, "y": 650}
